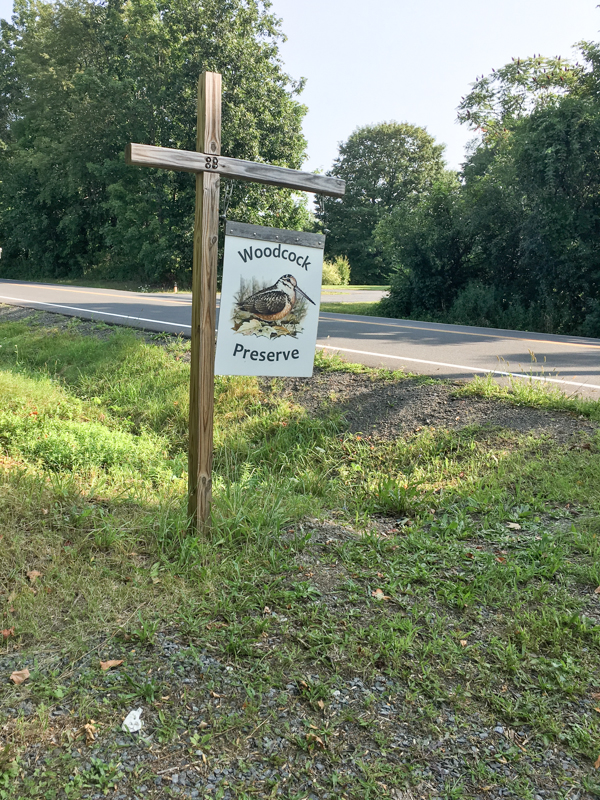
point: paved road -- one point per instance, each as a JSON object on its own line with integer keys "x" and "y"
{"x": 450, "y": 351}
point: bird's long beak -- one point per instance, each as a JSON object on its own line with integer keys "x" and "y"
{"x": 298, "y": 289}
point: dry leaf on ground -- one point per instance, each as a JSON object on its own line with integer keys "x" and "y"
{"x": 597, "y": 763}
{"x": 6, "y": 632}
{"x": 463, "y": 642}
{"x": 33, "y": 575}
{"x": 379, "y": 595}
{"x": 514, "y": 526}
{"x": 104, "y": 665}
{"x": 19, "y": 676}
{"x": 89, "y": 730}
{"x": 597, "y": 590}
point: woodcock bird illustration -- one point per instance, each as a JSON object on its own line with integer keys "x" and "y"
{"x": 275, "y": 302}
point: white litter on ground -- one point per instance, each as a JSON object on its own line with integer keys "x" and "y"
{"x": 133, "y": 721}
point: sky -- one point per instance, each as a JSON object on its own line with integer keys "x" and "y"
{"x": 413, "y": 60}
{"x": 410, "y": 60}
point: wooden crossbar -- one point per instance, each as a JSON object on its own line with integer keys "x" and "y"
{"x": 147, "y": 155}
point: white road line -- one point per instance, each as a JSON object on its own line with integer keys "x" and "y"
{"x": 87, "y": 311}
{"x": 462, "y": 367}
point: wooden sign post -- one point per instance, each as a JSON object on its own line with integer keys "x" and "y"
{"x": 208, "y": 165}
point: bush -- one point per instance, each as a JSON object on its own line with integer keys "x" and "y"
{"x": 591, "y": 324}
{"x": 496, "y": 307}
{"x": 397, "y": 303}
{"x": 336, "y": 272}
{"x": 484, "y": 306}
{"x": 477, "y": 305}
{"x": 343, "y": 267}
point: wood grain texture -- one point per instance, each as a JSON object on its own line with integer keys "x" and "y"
{"x": 265, "y": 234}
{"x": 208, "y": 133}
{"x": 146, "y": 155}
{"x": 204, "y": 304}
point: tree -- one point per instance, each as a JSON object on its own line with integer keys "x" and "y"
{"x": 531, "y": 194}
{"x": 424, "y": 245}
{"x": 81, "y": 79}
{"x": 515, "y": 243}
{"x": 384, "y": 166}
{"x": 511, "y": 93}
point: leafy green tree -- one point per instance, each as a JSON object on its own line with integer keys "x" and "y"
{"x": 424, "y": 245}
{"x": 531, "y": 194}
{"x": 516, "y": 243}
{"x": 81, "y": 79}
{"x": 557, "y": 158}
{"x": 512, "y": 92}
{"x": 384, "y": 166}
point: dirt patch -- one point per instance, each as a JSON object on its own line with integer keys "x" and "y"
{"x": 386, "y": 409}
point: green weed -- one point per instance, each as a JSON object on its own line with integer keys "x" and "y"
{"x": 457, "y": 564}
{"x": 362, "y": 309}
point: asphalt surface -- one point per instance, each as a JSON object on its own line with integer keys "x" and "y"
{"x": 570, "y": 363}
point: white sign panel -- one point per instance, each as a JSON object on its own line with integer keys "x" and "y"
{"x": 270, "y": 300}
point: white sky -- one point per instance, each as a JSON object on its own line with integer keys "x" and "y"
{"x": 410, "y": 60}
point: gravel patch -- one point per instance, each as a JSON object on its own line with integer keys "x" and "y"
{"x": 387, "y": 409}
{"x": 46, "y": 319}
{"x": 291, "y": 749}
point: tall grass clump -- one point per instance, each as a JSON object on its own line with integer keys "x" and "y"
{"x": 336, "y": 272}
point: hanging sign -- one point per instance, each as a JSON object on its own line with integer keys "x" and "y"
{"x": 270, "y": 301}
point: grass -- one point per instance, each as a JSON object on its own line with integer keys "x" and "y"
{"x": 487, "y": 558}
{"x": 530, "y": 393}
{"x": 352, "y": 288}
{"x": 362, "y": 309}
